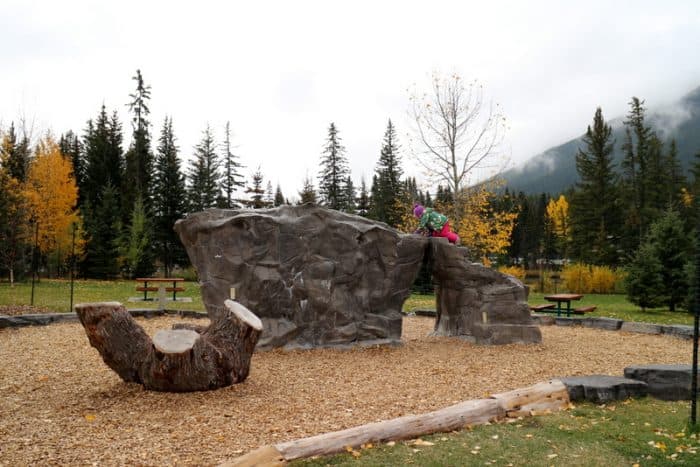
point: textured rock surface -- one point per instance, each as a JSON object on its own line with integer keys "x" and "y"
{"x": 611, "y": 324}
{"x": 478, "y": 303}
{"x": 315, "y": 277}
{"x": 666, "y": 382}
{"x": 318, "y": 277}
{"x": 603, "y": 388}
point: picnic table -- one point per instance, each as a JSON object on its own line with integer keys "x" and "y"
{"x": 160, "y": 284}
{"x": 563, "y": 298}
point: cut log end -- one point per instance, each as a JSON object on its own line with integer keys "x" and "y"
{"x": 244, "y": 315}
{"x": 174, "y": 341}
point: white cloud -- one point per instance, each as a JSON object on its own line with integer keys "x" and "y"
{"x": 280, "y": 71}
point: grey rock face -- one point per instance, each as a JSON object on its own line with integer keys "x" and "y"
{"x": 317, "y": 277}
{"x": 642, "y": 328}
{"x": 666, "y": 382}
{"x": 476, "y": 302}
{"x": 603, "y": 388}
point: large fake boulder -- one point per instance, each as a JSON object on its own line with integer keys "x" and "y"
{"x": 316, "y": 277}
{"x": 476, "y": 302}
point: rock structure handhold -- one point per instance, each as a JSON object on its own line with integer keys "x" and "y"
{"x": 175, "y": 360}
{"x": 476, "y": 302}
{"x": 322, "y": 278}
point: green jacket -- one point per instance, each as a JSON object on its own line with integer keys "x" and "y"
{"x": 432, "y": 220}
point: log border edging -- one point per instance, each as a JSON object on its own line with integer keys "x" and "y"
{"x": 543, "y": 397}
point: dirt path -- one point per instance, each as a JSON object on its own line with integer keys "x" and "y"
{"x": 59, "y": 403}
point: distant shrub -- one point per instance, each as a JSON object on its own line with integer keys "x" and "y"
{"x": 516, "y": 271}
{"x": 584, "y": 278}
{"x": 189, "y": 274}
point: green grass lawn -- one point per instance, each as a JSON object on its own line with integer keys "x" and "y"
{"x": 644, "y": 432}
{"x": 54, "y": 294}
{"x": 611, "y": 306}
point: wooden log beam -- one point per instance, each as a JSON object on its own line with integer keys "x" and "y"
{"x": 541, "y": 397}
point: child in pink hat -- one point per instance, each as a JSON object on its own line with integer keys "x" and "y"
{"x": 437, "y": 224}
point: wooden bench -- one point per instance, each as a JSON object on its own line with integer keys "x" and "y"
{"x": 543, "y": 307}
{"x": 146, "y": 289}
{"x": 584, "y": 309}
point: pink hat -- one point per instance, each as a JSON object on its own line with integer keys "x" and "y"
{"x": 418, "y": 210}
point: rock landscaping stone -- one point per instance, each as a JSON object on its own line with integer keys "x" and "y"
{"x": 38, "y": 319}
{"x": 564, "y": 321}
{"x": 643, "y": 328}
{"x": 665, "y": 382}
{"x": 419, "y": 312}
{"x": 610, "y": 324}
{"x": 603, "y": 388}
{"x": 678, "y": 330}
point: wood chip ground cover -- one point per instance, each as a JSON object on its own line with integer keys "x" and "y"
{"x": 60, "y": 404}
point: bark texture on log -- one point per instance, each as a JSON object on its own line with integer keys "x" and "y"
{"x": 175, "y": 360}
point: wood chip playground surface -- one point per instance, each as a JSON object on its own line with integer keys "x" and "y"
{"x": 60, "y": 404}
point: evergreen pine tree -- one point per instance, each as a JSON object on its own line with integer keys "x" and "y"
{"x": 595, "y": 213}
{"x": 363, "y": 200}
{"x": 169, "y": 200}
{"x": 139, "y": 159}
{"x": 136, "y": 250}
{"x": 203, "y": 174}
{"x": 101, "y": 197}
{"x": 676, "y": 178}
{"x": 671, "y": 246}
{"x": 231, "y": 178}
{"x": 350, "y": 196}
{"x": 14, "y": 155}
{"x": 389, "y": 191}
{"x": 644, "y": 280}
{"x": 256, "y": 192}
{"x": 102, "y": 224}
{"x": 72, "y": 148}
{"x": 279, "y": 197}
{"x": 307, "y": 193}
{"x": 334, "y": 172}
{"x": 269, "y": 194}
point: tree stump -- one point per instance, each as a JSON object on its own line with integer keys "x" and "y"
{"x": 177, "y": 360}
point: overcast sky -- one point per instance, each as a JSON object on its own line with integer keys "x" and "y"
{"x": 281, "y": 71}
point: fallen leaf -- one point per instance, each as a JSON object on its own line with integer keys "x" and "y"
{"x": 90, "y": 417}
{"x": 552, "y": 456}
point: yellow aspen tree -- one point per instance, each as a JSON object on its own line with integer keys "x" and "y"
{"x": 558, "y": 218}
{"x": 484, "y": 230}
{"x": 52, "y": 195}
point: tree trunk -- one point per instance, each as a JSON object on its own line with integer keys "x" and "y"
{"x": 175, "y": 360}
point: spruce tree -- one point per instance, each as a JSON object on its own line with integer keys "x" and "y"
{"x": 101, "y": 197}
{"x": 307, "y": 193}
{"x": 256, "y": 192}
{"x": 72, "y": 148}
{"x": 334, "y": 172}
{"x": 350, "y": 195}
{"x": 644, "y": 280}
{"x": 14, "y": 155}
{"x": 203, "y": 174}
{"x": 363, "y": 205}
{"x": 595, "y": 213}
{"x": 279, "y": 197}
{"x": 135, "y": 248}
{"x": 169, "y": 200}
{"x": 671, "y": 246}
{"x": 102, "y": 222}
{"x": 139, "y": 159}
{"x": 676, "y": 178}
{"x": 389, "y": 192}
{"x": 231, "y": 178}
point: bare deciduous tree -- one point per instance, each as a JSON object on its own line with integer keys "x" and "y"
{"x": 456, "y": 133}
